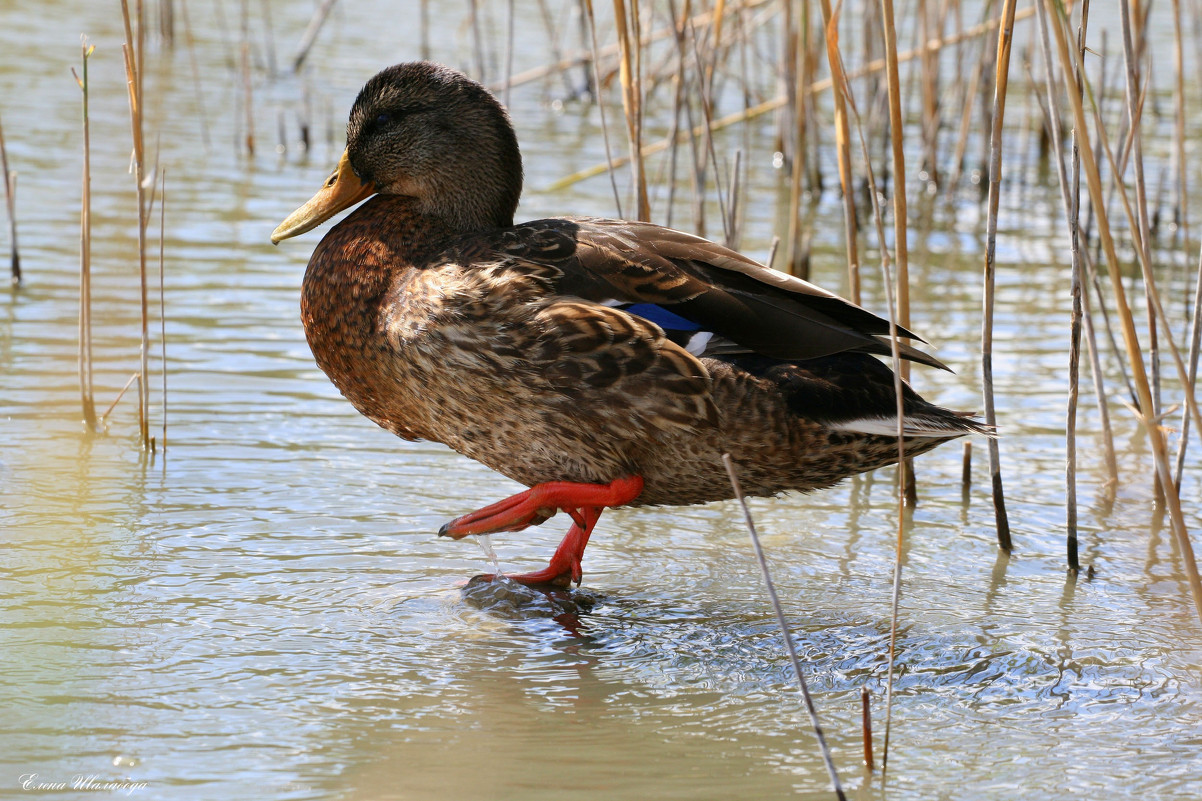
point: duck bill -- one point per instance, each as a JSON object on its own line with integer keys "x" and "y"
{"x": 342, "y": 190}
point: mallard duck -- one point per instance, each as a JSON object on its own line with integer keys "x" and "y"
{"x": 599, "y": 362}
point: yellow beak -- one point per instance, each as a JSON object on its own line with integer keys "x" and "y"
{"x": 342, "y": 190}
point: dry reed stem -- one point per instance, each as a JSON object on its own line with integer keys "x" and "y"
{"x": 1179, "y": 128}
{"x": 866, "y": 728}
{"x": 10, "y": 195}
{"x": 1092, "y": 269}
{"x": 509, "y": 22}
{"x": 1090, "y": 334}
{"x": 900, "y": 213}
{"x": 969, "y": 104}
{"x": 1001, "y": 79}
{"x": 798, "y": 62}
{"x": 1095, "y": 368}
{"x": 1142, "y": 230}
{"x": 477, "y": 38}
{"x": 1183, "y": 221}
{"x": 716, "y": 39}
{"x": 784, "y": 628}
{"x": 701, "y": 19}
{"x": 1195, "y": 340}
{"x": 116, "y": 400}
{"x": 268, "y": 37}
{"x": 830, "y": 23}
{"x": 424, "y": 27}
{"x": 678, "y": 101}
{"x": 310, "y": 35}
{"x": 1071, "y": 212}
{"x": 613, "y": 180}
{"x": 248, "y": 105}
{"x": 732, "y": 204}
{"x": 708, "y": 153}
{"x": 86, "y": 391}
{"x": 133, "y": 83}
{"x": 779, "y": 101}
{"x": 549, "y": 25}
{"x": 163, "y": 298}
{"x": 1130, "y": 338}
{"x": 1155, "y": 307}
{"x": 929, "y": 65}
{"x": 636, "y": 31}
{"x": 630, "y": 80}
{"x": 894, "y": 340}
{"x": 167, "y": 22}
{"x": 194, "y": 66}
{"x": 701, "y": 147}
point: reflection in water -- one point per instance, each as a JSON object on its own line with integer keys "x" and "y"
{"x": 508, "y": 599}
{"x": 265, "y": 610}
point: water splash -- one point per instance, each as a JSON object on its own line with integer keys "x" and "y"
{"x": 484, "y": 541}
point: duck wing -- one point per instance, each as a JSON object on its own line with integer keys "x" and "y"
{"x": 708, "y": 298}
{"x": 500, "y": 322}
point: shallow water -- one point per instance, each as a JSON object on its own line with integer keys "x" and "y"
{"x": 263, "y": 610}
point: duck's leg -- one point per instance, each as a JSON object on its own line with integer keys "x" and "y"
{"x": 584, "y": 502}
{"x": 541, "y": 502}
{"x": 564, "y": 568}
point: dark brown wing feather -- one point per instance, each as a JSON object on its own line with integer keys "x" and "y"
{"x": 481, "y": 311}
{"x": 762, "y": 309}
{"x": 592, "y": 354}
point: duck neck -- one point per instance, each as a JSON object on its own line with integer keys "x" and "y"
{"x": 465, "y": 218}
{"x": 470, "y": 206}
{"x": 386, "y": 232}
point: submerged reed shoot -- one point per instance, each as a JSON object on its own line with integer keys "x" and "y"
{"x": 10, "y": 198}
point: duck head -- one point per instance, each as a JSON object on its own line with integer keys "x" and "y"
{"x": 430, "y": 133}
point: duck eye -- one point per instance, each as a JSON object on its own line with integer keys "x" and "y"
{"x": 383, "y": 117}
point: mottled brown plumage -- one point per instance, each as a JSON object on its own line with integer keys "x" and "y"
{"x": 577, "y": 349}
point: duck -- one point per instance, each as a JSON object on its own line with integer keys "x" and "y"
{"x": 599, "y": 362}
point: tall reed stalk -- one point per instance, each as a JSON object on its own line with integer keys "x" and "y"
{"x": 613, "y": 179}
{"x": 1142, "y": 230}
{"x": 797, "y": 38}
{"x": 893, "y": 84}
{"x": 133, "y": 81}
{"x": 1070, "y": 196}
{"x": 1069, "y": 58}
{"x": 1183, "y": 215}
{"x": 774, "y": 103}
{"x": 839, "y": 76}
{"x": 1001, "y": 80}
{"x": 87, "y": 395}
{"x": 900, "y": 213}
{"x": 631, "y": 79}
{"x": 843, "y": 148}
{"x": 163, "y": 299}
